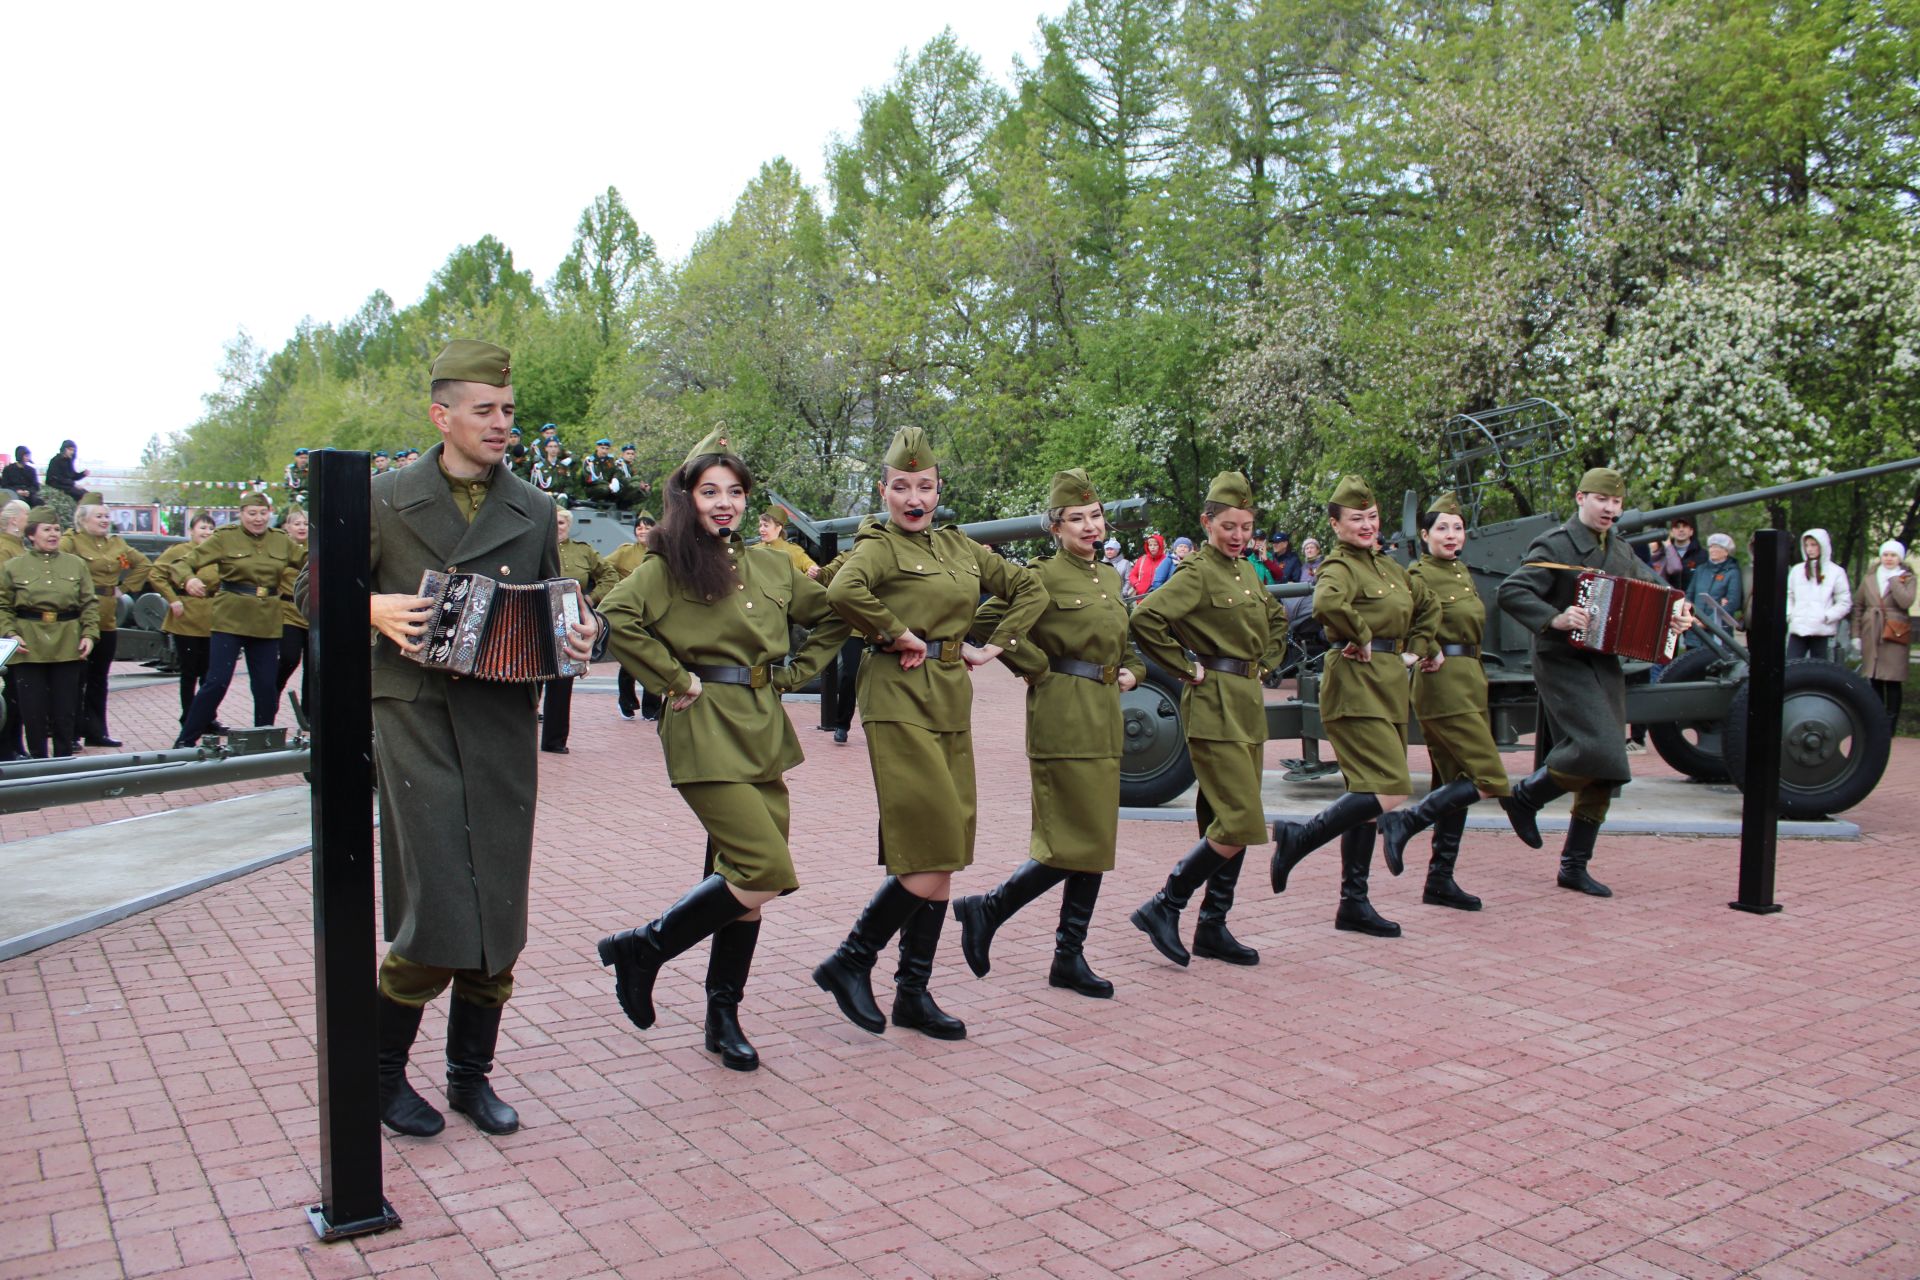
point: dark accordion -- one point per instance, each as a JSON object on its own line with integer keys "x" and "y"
{"x": 1627, "y": 617}
{"x": 491, "y": 631}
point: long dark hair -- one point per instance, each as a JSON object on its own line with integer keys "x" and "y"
{"x": 694, "y": 558}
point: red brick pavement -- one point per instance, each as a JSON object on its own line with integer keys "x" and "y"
{"x": 1650, "y": 1086}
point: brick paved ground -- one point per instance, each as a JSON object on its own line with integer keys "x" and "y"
{"x": 1645, "y": 1087}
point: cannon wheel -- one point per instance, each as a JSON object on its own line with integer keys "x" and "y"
{"x": 1694, "y": 747}
{"x": 1834, "y": 740}
{"x": 1154, "y": 764}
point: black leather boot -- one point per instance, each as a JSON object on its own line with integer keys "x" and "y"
{"x": 847, "y": 974}
{"x": 913, "y": 1005}
{"x": 1210, "y": 936}
{"x": 1409, "y": 820}
{"x": 1441, "y": 891}
{"x": 472, "y": 1033}
{"x": 1293, "y": 841}
{"x": 1356, "y": 914}
{"x": 981, "y": 914}
{"x": 1530, "y": 795}
{"x": 401, "y": 1109}
{"x": 1159, "y": 916}
{"x": 1574, "y": 856}
{"x": 727, "y": 967}
{"x": 637, "y": 954}
{"x": 1070, "y": 939}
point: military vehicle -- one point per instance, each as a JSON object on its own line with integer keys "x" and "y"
{"x": 1835, "y": 739}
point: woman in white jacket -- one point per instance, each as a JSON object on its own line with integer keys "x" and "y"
{"x": 1818, "y": 597}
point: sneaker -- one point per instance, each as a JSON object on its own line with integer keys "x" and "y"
{"x": 1636, "y": 748}
{"x": 624, "y": 713}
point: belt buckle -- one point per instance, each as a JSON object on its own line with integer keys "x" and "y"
{"x": 1110, "y": 674}
{"x": 757, "y": 677}
{"x": 259, "y": 593}
{"x": 950, "y": 651}
{"x": 49, "y": 615}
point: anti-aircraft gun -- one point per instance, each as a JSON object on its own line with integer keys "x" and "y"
{"x": 1835, "y": 738}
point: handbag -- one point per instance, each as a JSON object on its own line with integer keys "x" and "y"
{"x": 1896, "y": 630}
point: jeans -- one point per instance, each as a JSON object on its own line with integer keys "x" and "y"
{"x": 223, "y": 654}
{"x": 1814, "y": 647}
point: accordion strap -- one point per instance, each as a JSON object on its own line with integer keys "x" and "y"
{"x": 1555, "y": 564}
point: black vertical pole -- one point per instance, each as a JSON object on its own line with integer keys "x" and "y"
{"x": 1766, "y": 694}
{"x": 830, "y": 674}
{"x": 340, "y": 666}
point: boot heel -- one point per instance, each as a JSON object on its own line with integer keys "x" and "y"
{"x": 606, "y": 949}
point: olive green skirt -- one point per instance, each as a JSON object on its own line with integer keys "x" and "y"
{"x": 1372, "y": 753}
{"x": 1462, "y": 747}
{"x": 746, "y": 826}
{"x": 1229, "y": 774}
{"x": 924, "y": 782}
{"x": 1076, "y": 813}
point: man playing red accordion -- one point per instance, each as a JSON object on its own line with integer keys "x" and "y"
{"x": 1581, "y": 744}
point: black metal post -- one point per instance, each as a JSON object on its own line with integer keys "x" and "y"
{"x": 340, "y": 670}
{"x": 830, "y": 674}
{"x": 1766, "y": 693}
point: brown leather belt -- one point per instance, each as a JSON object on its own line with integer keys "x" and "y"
{"x": 1232, "y": 666}
{"x": 1085, "y": 670}
{"x": 752, "y": 677}
{"x": 1460, "y": 650}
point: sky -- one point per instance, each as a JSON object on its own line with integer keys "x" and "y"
{"x": 181, "y": 173}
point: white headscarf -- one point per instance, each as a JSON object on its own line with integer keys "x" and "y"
{"x": 1882, "y": 574}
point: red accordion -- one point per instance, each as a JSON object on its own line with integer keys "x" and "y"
{"x": 491, "y": 631}
{"x": 1627, "y": 617}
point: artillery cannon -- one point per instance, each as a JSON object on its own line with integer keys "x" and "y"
{"x": 1835, "y": 740}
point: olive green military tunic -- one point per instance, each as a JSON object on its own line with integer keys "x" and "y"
{"x": 727, "y": 752}
{"x": 290, "y": 612}
{"x": 622, "y": 561}
{"x": 115, "y": 567}
{"x": 1452, "y": 702}
{"x": 1217, "y": 607}
{"x": 919, "y": 723}
{"x": 11, "y": 546}
{"x": 252, "y": 569}
{"x": 169, "y": 578}
{"x": 801, "y": 560}
{"x": 1074, "y": 731}
{"x": 1583, "y": 695}
{"x": 47, "y": 599}
{"x": 1363, "y": 595}
{"x": 583, "y": 564}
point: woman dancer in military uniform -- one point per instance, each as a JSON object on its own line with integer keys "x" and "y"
{"x": 583, "y": 564}
{"x": 1076, "y": 662}
{"x": 116, "y": 567}
{"x": 293, "y": 623}
{"x": 1215, "y": 606}
{"x": 705, "y": 617}
{"x": 1383, "y": 621}
{"x": 48, "y": 602}
{"x": 912, "y": 591}
{"x": 1450, "y": 697}
{"x": 253, "y": 561}
{"x": 189, "y": 618}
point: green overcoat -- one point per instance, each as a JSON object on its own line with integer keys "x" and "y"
{"x": 1583, "y": 695}
{"x": 458, "y": 767}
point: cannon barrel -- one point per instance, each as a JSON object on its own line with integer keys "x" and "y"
{"x": 1632, "y": 520}
{"x": 1012, "y": 529}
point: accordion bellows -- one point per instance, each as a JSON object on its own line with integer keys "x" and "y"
{"x": 490, "y": 631}
{"x": 1629, "y": 618}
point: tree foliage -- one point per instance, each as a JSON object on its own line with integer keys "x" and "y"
{"x": 1292, "y": 239}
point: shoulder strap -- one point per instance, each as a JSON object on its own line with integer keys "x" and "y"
{"x": 1555, "y": 564}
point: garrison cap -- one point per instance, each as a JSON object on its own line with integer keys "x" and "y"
{"x": 91, "y": 498}
{"x": 911, "y": 451}
{"x": 1231, "y": 488}
{"x": 718, "y": 440}
{"x": 1604, "y": 481}
{"x": 255, "y": 499}
{"x": 43, "y": 515}
{"x": 1071, "y": 489}
{"x": 465, "y": 360}
{"x": 1446, "y": 504}
{"x": 1352, "y": 492}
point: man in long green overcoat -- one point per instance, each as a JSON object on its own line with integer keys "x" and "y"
{"x": 457, "y": 761}
{"x": 1583, "y": 694}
